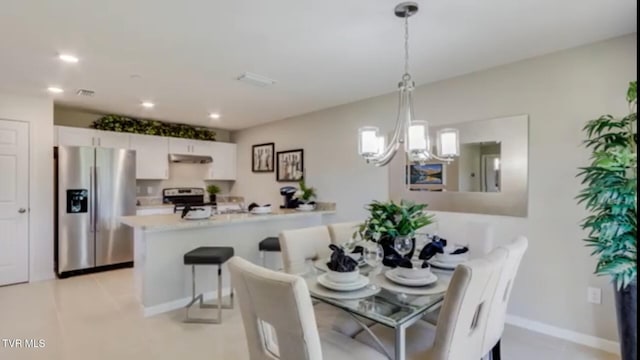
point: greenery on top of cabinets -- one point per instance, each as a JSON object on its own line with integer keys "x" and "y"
{"x": 152, "y": 127}
{"x": 611, "y": 193}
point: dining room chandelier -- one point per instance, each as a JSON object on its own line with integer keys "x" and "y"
{"x": 413, "y": 134}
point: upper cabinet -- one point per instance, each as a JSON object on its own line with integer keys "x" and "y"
{"x": 224, "y": 161}
{"x": 74, "y": 136}
{"x": 189, "y": 147}
{"x": 152, "y": 156}
{"x": 152, "y": 152}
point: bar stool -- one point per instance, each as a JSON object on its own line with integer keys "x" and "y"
{"x": 208, "y": 255}
{"x": 270, "y": 244}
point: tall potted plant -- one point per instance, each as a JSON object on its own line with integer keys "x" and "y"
{"x": 389, "y": 220}
{"x": 610, "y": 195}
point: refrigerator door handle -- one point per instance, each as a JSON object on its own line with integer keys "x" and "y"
{"x": 92, "y": 201}
{"x": 96, "y": 190}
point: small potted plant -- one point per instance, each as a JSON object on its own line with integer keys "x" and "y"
{"x": 389, "y": 221}
{"x": 213, "y": 190}
{"x": 305, "y": 196}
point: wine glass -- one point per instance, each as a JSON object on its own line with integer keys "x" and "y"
{"x": 373, "y": 254}
{"x": 403, "y": 245}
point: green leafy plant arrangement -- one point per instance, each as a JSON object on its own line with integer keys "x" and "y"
{"x": 610, "y": 193}
{"x": 152, "y": 127}
{"x": 213, "y": 189}
{"x": 305, "y": 193}
{"x": 390, "y": 220}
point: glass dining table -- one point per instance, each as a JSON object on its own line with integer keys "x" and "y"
{"x": 387, "y": 307}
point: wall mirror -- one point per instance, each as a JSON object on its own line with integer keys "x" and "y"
{"x": 476, "y": 170}
{"x": 489, "y": 177}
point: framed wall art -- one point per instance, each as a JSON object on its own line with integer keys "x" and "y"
{"x": 262, "y": 157}
{"x": 290, "y": 165}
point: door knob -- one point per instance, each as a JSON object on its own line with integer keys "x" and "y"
{"x": 22, "y": 210}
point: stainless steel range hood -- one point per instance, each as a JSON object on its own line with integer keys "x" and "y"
{"x": 190, "y": 159}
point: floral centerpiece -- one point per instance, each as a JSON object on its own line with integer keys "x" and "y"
{"x": 305, "y": 194}
{"x": 388, "y": 221}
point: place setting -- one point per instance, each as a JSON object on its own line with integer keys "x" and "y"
{"x": 342, "y": 277}
{"x": 411, "y": 269}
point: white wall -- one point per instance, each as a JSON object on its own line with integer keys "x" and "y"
{"x": 38, "y": 112}
{"x": 559, "y": 91}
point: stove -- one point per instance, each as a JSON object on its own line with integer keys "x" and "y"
{"x": 180, "y": 197}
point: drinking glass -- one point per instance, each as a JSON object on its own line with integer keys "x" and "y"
{"x": 373, "y": 254}
{"x": 403, "y": 245}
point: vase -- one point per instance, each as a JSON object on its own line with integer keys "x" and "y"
{"x": 626, "y": 310}
{"x": 212, "y": 198}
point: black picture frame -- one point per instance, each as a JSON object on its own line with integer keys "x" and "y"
{"x": 290, "y": 165}
{"x": 262, "y": 158}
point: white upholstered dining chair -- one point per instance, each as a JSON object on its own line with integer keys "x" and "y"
{"x": 342, "y": 232}
{"x": 463, "y": 318}
{"x": 500, "y": 301}
{"x": 300, "y": 248}
{"x": 279, "y": 320}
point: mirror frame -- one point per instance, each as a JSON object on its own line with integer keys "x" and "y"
{"x": 513, "y": 134}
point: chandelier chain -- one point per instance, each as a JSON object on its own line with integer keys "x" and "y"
{"x": 406, "y": 46}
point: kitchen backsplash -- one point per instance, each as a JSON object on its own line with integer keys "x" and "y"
{"x": 180, "y": 175}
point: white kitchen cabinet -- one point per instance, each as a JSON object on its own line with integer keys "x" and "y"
{"x": 111, "y": 139}
{"x": 152, "y": 156}
{"x": 224, "y": 161}
{"x": 75, "y": 136}
{"x": 189, "y": 147}
{"x": 180, "y": 146}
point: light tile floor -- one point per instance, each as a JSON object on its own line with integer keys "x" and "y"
{"x": 98, "y": 317}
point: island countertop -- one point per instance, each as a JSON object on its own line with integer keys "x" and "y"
{"x": 164, "y": 222}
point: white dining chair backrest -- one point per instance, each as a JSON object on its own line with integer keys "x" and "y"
{"x": 500, "y": 301}
{"x": 279, "y": 302}
{"x": 463, "y": 319}
{"x": 342, "y": 232}
{"x": 300, "y": 246}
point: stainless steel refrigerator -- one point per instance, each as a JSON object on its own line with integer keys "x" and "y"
{"x": 95, "y": 186}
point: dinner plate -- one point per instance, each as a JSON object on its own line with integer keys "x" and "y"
{"x": 318, "y": 290}
{"x": 443, "y": 265}
{"x": 396, "y": 278}
{"x": 358, "y": 284}
{"x": 438, "y": 287}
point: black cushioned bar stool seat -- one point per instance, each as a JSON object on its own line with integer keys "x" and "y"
{"x": 271, "y": 243}
{"x": 209, "y": 255}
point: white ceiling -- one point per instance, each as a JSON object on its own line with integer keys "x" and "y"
{"x": 322, "y": 53}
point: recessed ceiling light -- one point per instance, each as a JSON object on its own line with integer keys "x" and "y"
{"x": 55, "y": 90}
{"x": 147, "y": 104}
{"x": 214, "y": 116}
{"x": 68, "y": 58}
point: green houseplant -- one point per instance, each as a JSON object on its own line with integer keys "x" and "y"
{"x": 305, "y": 194}
{"x": 610, "y": 196}
{"x": 389, "y": 220}
{"x": 213, "y": 190}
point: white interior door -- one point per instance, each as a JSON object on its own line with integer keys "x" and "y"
{"x": 14, "y": 202}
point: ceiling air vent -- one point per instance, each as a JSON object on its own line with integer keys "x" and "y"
{"x": 255, "y": 79}
{"x": 85, "y": 92}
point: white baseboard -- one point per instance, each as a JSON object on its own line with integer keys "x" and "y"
{"x": 180, "y": 303}
{"x": 576, "y": 337}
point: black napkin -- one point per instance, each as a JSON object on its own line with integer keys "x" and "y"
{"x": 461, "y": 250}
{"x": 340, "y": 261}
{"x": 358, "y": 250}
{"x": 436, "y": 246}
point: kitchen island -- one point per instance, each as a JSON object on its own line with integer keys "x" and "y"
{"x": 161, "y": 241}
